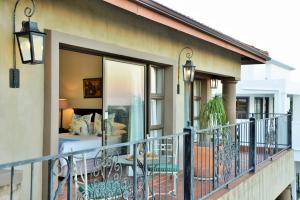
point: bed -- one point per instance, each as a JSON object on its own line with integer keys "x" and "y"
{"x": 70, "y": 142}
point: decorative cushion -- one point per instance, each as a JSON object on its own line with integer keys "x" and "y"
{"x": 119, "y": 132}
{"x": 106, "y": 189}
{"x": 118, "y": 126}
{"x": 163, "y": 167}
{"x": 97, "y": 124}
{"x": 80, "y": 124}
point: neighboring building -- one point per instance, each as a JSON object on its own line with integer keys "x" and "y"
{"x": 265, "y": 89}
{"x": 118, "y": 58}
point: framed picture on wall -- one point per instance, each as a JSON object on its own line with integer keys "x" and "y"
{"x": 92, "y": 88}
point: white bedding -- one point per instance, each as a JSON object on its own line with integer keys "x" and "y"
{"x": 70, "y": 143}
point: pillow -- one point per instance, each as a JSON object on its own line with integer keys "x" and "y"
{"x": 91, "y": 131}
{"x": 119, "y": 132}
{"x": 97, "y": 124}
{"x": 110, "y": 121}
{"x": 81, "y": 124}
{"x": 118, "y": 126}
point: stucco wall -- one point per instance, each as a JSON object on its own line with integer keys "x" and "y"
{"x": 21, "y": 118}
{"x": 266, "y": 183}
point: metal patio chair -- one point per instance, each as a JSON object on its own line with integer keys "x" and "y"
{"x": 105, "y": 182}
{"x": 167, "y": 164}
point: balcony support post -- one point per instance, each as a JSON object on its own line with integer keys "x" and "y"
{"x": 252, "y": 145}
{"x": 188, "y": 165}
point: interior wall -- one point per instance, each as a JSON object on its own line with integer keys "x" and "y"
{"x": 73, "y": 68}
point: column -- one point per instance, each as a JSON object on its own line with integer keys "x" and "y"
{"x": 229, "y": 99}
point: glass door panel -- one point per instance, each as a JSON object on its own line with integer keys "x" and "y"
{"x": 124, "y": 101}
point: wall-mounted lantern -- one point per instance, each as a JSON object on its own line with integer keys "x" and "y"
{"x": 188, "y": 71}
{"x": 30, "y": 42}
{"x": 188, "y": 68}
{"x": 213, "y": 83}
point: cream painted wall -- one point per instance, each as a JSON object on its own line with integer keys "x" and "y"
{"x": 267, "y": 183}
{"x": 21, "y": 118}
{"x": 73, "y": 68}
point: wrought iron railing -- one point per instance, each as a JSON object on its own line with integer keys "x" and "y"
{"x": 223, "y": 154}
{"x": 150, "y": 168}
{"x": 188, "y": 165}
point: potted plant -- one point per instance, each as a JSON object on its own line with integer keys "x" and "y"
{"x": 212, "y": 115}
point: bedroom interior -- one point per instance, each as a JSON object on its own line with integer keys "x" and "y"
{"x": 83, "y": 122}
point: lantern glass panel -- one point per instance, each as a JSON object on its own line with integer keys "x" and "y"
{"x": 38, "y": 47}
{"x": 24, "y": 43}
{"x": 214, "y": 83}
{"x": 192, "y": 73}
{"x": 186, "y": 74}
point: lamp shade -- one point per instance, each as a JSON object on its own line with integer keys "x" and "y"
{"x": 31, "y": 43}
{"x": 63, "y": 103}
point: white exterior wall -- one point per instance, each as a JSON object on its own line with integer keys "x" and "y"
{"x": 296, "y": 127}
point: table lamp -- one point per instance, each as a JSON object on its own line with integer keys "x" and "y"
{"x": 63, "y": 104}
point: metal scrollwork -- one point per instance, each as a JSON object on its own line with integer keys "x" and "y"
{"x": 28, "y": 11}
{"x": 270, "y": 136}
{"x": 55, "y": 172}
{"x": 107, "y": 180}
{"x": 225, "y": 153}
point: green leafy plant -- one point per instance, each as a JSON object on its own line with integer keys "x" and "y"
{"x": 213, "y": 113}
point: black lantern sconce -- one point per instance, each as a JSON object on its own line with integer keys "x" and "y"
{"x": 188, "y": 68}
{"x": 213, "y": 83}
{"x": 30, "y": 42}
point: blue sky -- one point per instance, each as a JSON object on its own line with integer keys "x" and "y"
{"x": 271, "y": 25}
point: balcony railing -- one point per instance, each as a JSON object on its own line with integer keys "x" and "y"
{"x": 187, "y": 165}
{"x": 233, "y": 150}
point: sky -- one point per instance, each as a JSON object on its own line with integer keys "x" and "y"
{"x": 271, "y": 25}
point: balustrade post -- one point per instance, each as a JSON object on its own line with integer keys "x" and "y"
{"x": 50, "y": 180}
{"x": 135, "y": 180}
{"x": 252, "y": 145}
{"x": 289, "y": 129}
{"x": 266, "y": 138}
{"x": 276, "y": 134}
{"x": 188, "y": 164}
{"x": 70, "y": 178}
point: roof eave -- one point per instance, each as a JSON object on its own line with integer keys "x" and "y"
{"x": 252, "y": 54}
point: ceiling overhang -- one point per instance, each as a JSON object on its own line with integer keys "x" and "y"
{"x": 165, "y": 16}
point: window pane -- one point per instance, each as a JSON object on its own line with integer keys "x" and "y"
{"x": 154, "y": 145}
{"x": 156, "y": 80}
{"x": 197, "y": 124}
{"x": 242, "y": 108}
{"x": 197, "y": 88}
{"x": 124, "y": 101}
{"x": 156, "y": 112}
{"x": 196, "y": 108}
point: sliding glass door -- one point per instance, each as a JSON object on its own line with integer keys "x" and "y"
{"x": 123, "y": 101}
